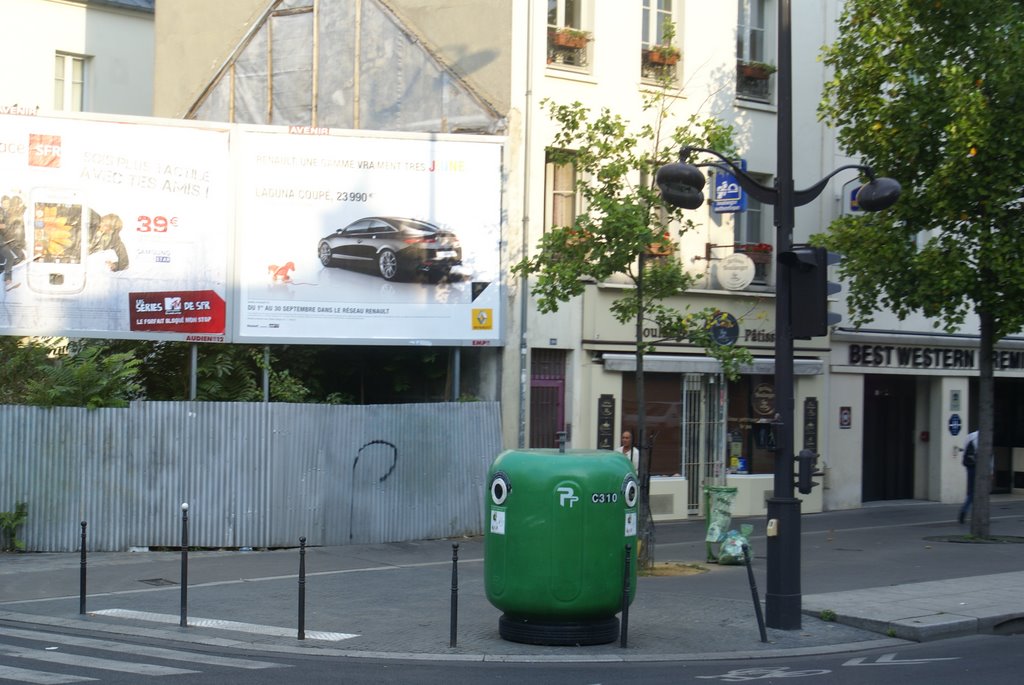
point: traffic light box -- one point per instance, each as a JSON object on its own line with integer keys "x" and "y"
{"x": 809, "y": 290}
{"x": 807, "y": 468}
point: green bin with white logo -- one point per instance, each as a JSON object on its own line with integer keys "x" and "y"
{"x": 558, "y": 523}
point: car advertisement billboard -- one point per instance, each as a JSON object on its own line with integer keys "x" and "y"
{"x": 113, "y": 229}
{"x": 362, "y": 238}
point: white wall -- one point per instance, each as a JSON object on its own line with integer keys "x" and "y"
{"x": 118, "y": 42}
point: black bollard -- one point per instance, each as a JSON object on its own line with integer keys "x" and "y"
{"x": 455, "y": 594}
{"x": 302, "y": 588}
{"x": 184, "y": 565}
{"x": 81, "y": 575}
{"x": 624, "y": 628}
{"x": 753, "y": 592}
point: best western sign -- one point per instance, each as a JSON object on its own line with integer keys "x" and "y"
{"x": 926, "y": 358}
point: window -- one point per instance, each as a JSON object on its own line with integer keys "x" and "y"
{"x": 753, "y": 239}
{"x": 568, "y": 40}
{"x": 659, "y": 56}
{"x": 753, "y": 73}
{"x": 68, "y": 83}
{"x": 562, "y": 200}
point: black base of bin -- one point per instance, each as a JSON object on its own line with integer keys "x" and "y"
{"x": 597, "y": 631}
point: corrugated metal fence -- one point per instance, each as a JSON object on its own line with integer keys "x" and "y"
{"x": 254, "y": 475}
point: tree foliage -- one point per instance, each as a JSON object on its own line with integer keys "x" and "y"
{"x": 929, "y": 93}
{"x": 624, "y": 219}
{"x": 56, "y": 373}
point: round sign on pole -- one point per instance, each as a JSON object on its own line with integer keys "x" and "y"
{"x": 735, "y": 272}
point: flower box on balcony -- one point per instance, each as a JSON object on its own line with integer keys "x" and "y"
{"x": 757, "y": 71}
{"x": 759, "y": 253}
{"x": 666, "y": 55}
{"x": 570, "y": 38}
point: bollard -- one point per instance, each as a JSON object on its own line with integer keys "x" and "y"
{"x": 753, "y": 592}
{"x": 455, "y": 594}
{"x": 184, "y": 565}
{"x": 302, "y": 588}
{"x": 624, "y": 628}
{"x": 81, "y": 575}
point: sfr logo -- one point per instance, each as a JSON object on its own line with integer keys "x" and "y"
{"x": 44, "y": 150}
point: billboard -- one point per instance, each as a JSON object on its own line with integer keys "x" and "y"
{"x": 113, "y": 229}
{"x": 155, "y": 229}
{"x": 367, "y": 239}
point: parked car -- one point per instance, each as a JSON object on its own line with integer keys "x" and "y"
{"x": 393, "y": 247}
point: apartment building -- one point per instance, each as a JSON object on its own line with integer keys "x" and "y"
{"x": 77, "y": 56}
{"x": 485, "y": 67}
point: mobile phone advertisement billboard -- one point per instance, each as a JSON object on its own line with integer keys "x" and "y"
{"x": 367, "y": 239}
{"x": 114, "y": 229}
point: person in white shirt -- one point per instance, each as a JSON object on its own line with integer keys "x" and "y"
{"x": 631, "y": 453}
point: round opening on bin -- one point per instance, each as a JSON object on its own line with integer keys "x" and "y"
{"x": 631, "y": 491}
{"x": 500, "y": 488}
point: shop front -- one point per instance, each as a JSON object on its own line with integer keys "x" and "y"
{"x": 900, "y": 410}
{"x": 703, "y": 429}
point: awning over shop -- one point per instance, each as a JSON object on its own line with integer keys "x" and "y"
{"x": 666, "y": 363}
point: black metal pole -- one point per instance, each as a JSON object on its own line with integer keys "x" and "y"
{"x": 454, "y": 622}
{"x": 753, "y": 593}
{"x": 184, "y": 565}
{"x": 81, "y": 575}
{"x": 302, "y": 588}
{"x": 782, "y": 595}
{"x": 624, "y": 627}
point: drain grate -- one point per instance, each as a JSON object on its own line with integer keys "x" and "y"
{"x": 158, "y": 582}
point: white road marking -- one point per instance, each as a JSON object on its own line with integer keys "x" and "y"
{"x": 138, "y": 650}
{"x": 82, "y": 661}
{"x": 23, "y": 675}
{"x": 890, "y": 660}
{"x": 224, "y": 625}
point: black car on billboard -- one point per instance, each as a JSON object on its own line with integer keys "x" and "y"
{"x": 393, "y": 247}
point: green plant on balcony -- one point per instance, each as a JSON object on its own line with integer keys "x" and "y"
{"x": 758, "y": 71}
{"x": 664, "y": 55}
{"x": 568, "y": 37}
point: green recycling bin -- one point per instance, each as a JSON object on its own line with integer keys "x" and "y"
{"x": 558, "y": 524}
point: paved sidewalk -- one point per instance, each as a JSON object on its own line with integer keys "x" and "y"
{"x": 394, "y": 600}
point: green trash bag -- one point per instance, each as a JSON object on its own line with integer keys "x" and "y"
{"x": 731, "y": 551}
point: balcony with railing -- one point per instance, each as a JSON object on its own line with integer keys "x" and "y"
{"x": 754, "y": 80}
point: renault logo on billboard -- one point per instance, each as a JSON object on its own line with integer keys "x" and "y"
{"x": 483, "y": 319}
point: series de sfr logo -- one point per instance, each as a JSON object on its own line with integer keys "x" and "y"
{"x": 44, "y": 150}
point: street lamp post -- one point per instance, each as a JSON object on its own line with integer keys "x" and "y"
{"x": 681, "y": 185}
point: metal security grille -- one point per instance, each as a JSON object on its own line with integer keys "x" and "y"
{"x": 703, "y": 434}
{"x": 547, "y": 397}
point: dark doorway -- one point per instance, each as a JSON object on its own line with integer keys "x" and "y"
{"x": 547, "y": 397}
{"x": 888, "y": 438}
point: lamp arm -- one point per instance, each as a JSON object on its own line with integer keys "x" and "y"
{"x": 758, "y": 191}
{"x": 802, "y": 197}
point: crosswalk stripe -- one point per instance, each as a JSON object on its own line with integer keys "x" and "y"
{"x": 23, "y": 675}
{"x": 224, "y": 625}
{"x": 138, "y": 650}
{"x": 83, "y": 661}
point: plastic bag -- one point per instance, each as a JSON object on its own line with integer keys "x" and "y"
{"x": 731, "y": 551}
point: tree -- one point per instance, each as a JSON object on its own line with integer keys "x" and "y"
{"x": 928, "y": 92}
{"x": 626, "y": 230}
{"x": 55, "y": 372}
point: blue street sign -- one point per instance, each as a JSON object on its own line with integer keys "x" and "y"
{"x": 954, "y": 424}
{"x": 854, "y": 206}
{"x": 728, "y": 196}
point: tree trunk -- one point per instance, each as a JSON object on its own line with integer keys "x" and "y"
{"x": 645, "y": 524}
{"x": 980, "y": 522}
